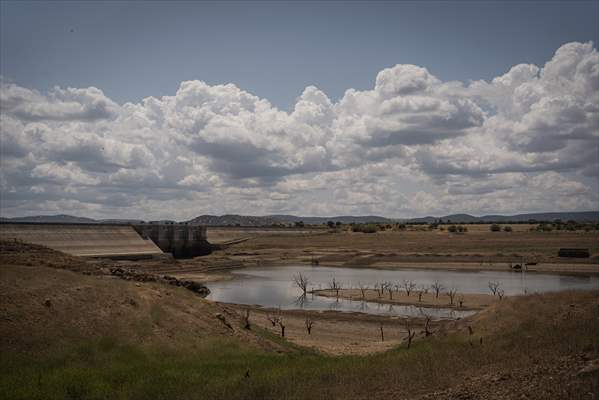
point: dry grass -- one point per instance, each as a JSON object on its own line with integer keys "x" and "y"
{"x": 104, "y": 338}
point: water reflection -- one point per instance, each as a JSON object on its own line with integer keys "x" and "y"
{"x": 273, "y": 287}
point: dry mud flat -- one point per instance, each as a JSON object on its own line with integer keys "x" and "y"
{"x": 340, "y": 333}
{"x": 478, "y": 249}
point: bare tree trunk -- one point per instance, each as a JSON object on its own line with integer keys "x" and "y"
{"x": 309, "y": 324}
{"x": 282, "y": 326}
{"x": 427, "y": 331}
{"x": 411, "y": 333}
{"x": 247, "y": 319}
{"x": 382, "y": 333}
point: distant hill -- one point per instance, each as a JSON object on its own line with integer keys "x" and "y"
{"x": 583, "y": 216}
{"x": 120, "y": 221}
{"x": 344, "y": 219}
{"x": 233, "y": 219}
{"x": 61, "y": 218}
{"x": 269, "y": 220}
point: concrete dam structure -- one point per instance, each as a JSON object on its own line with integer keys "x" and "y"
{"x": 181, "y": 240}
{"x": 131, "y": 241}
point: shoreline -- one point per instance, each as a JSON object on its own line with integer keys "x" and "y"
{"x": 541, "y": 268}
{"x": 470, "y": 301}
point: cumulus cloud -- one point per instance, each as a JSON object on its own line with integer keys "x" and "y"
{"x": 527, "y": 140}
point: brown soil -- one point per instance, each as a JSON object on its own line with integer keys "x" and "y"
{"x": 534, "y": 346}
{"x": 475, "y": 250}
{"x": 337, "y": 333}
{"x": 45, "y": 299}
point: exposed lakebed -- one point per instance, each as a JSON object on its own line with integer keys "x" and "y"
{"x": 273, "y": 287}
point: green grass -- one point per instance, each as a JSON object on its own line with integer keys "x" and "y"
{"x": 103, "y": 369}
{"x": 108, "y": 369}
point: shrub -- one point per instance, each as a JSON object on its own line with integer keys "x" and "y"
{"x": 495, "y": 228}
{"x": 452, "y": 228}
{"x": 365, "y": 228}
{"x": 507, "y": 228}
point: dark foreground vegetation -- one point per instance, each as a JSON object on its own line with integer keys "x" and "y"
{"x": 540, "y": 346}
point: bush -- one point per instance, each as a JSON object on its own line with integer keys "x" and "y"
{"x": 495, "y": 228}
{"x": 452, "y": 228}
{"x": 544, "y": 228}
{"x": 507, "y": 228}
{"x": 365, "y": 228}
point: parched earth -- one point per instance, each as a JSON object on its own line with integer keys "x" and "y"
{"x": 557, "y": 379}
{"x": 530, "y": 347}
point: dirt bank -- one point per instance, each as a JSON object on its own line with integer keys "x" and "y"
{"x": 477, "y": 250}
{"x": 47, "y": 297}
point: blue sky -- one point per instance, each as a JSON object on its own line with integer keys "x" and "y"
{"x": 275, "y": 49}
{"x": 170, "y": 110}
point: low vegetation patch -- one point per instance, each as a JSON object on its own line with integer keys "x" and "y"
{"x": 521, "y": 332}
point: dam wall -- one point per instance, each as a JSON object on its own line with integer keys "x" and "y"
{"x": 127, "y": 241}
{"x": 181, "y": 240}
{"x": 84, "y": 240}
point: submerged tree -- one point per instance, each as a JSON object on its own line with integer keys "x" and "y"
{"x": 301, "y": 281}
{"x": 451, "y": 293}
{"x": 437, "y": 287}
{"x": 335, "y": 285}
{"x": 408, "y": 286}
{"x": 363, "y": 289}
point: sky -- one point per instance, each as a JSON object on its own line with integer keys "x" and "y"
{"x": 171, "y": 110}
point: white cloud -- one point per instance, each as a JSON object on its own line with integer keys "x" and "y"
{"x": 413, "y": 144}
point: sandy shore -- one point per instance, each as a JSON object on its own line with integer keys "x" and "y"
{"x": 338, "y": 333}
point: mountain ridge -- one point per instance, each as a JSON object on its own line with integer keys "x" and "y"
{"x": 277, "y": 219}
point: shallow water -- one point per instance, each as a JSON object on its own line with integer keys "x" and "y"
{"x": 274, "y": 287}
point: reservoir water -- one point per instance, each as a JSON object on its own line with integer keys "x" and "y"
{"x": 273, "y": 287}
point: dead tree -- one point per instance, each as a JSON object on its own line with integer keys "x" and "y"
{"x": 411, "y": 333}
{"x": 427, "y": 321}
{"x": 437, "y": 287}
{"x": 461, "y": 300}
{"x": 378, "y": 289}
{"x": 389, "y": 287}
{"x": 363, "y": 289}
{"x": 494, "y": 286}
{"x": 301, "y": 281}
{"x": 274, "y": 320}
{"x": 500, "y": 293}
{"x": 282, "y": 326}
{"x": 408, "y": 286}
{"x": 421, "y": 290}
{"x": 451, "y": 293}
{"x": 309, "y": 322}
{"x": 397, "y": 288}
{"x": 246, "y": 319}
{"x": 336, "y": 286}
